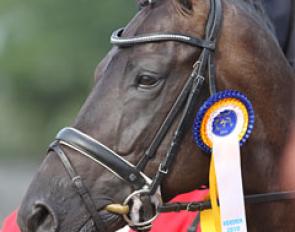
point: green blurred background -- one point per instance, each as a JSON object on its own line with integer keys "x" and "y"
{"x": 48, "y": 53}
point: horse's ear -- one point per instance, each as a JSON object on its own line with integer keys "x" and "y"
{"x": 186, "y": 3}
{"x": 142, "y": 3}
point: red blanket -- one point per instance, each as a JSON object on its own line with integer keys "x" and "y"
{"x": 172, "y": 222}
{"x": 9, "y": 224}
{"x": 181, "y": 221}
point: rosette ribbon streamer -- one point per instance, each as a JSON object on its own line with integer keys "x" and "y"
{"x": 223, "y": 124}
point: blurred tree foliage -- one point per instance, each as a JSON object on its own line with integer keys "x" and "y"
{"x": 48, "y": 53}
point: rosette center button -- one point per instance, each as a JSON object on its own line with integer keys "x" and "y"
{"x": 224, "y": 123}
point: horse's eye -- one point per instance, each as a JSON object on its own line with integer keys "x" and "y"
{"x": 146, "y": 81}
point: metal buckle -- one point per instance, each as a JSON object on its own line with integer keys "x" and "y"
{"x": 78, "y": 184}
{"x": 161, "y": 170}
{"x": 136, "y": 195}
{"x": 197, "y": 64}
{"x": 188, "y": 207}
{"x": 200, "y": 77}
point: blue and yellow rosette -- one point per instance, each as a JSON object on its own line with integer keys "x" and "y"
{"x": 226, "y": 113}
{"x": 220, "y": 114}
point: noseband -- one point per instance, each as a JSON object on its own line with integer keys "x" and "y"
{"x": 185, "y": 102}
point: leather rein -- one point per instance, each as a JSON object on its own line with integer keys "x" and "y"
{"x": 134, "y": 175}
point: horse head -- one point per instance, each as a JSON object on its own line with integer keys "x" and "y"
{"x": 141, "y": 109}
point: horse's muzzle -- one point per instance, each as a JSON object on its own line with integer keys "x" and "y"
{"x": 39, "y": 218}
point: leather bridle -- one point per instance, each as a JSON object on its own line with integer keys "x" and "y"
{"x": 134, "y": 175}
{"x": 185, "y": 102}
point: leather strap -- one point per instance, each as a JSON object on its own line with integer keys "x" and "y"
{"x": 179, "y": 133}
{"x": 249, "y": 199}
{"x": 161, "y": 133}
{"x": 205, "y": 61}
{"x": 80, "y": 188}
{"x": 212, "y": 32}
{"x": 194, "y": 225}
{"x": 91, "y": 148}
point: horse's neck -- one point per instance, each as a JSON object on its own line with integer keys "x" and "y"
{"x": 291, "y": 37}
{"x": 250, "y": 60}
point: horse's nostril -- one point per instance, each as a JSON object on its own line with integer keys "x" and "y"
{"x": 41, "y": 219}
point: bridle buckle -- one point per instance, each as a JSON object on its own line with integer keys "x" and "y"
{"x": 162, "y": 170}
{"x": 196, "y": 64}
{"x": 156, "y": 200}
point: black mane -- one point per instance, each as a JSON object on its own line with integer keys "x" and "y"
{"x": 258, "y": 8}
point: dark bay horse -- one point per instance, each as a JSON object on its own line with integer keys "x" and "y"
{"x": 136, "y": 86}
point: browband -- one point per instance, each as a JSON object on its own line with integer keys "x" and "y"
{"x": 118, "y": 40}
